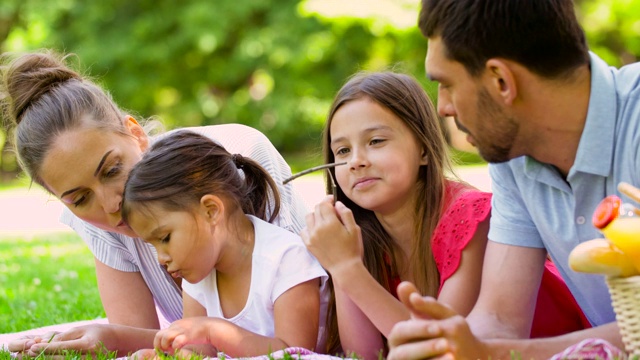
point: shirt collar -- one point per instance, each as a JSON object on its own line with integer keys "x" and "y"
{"x": 595, "y": 150}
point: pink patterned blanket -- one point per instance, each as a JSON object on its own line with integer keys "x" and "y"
{"x": 587, "y": 349}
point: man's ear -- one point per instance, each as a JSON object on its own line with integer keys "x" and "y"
{"x": 501, "y": 80}
{"x": 137, "y": 132}
{"x": 213, "y": 208}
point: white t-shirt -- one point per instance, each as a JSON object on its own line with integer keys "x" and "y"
{"x": 128, "y": 254}
{"x": 279, "y": 262}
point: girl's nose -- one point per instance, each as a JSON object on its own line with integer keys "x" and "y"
{"x": 358, "y": 159}
{"x": 163, "y": 258}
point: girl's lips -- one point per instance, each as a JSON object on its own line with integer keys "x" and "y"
{"x": 360, "y": 183}
{"x": 175, "y": 274}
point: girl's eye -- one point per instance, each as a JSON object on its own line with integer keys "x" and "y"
{"x": 341, "y": 151}
{"x": 166, "y": 239}
{"x": 376, "y": 141}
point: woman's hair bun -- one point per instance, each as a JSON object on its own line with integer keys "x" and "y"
{"x": 27, "y": 77}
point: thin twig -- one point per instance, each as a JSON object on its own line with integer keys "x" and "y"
{"x": 310, "y": 170}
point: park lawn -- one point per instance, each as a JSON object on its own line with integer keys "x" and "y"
{"x": 46, "y": 280}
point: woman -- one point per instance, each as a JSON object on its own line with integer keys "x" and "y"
{"x": 72, "y": 139}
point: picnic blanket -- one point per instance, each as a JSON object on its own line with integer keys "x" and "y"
{"x": 293, "y": 352}
{"x": 586, "y": 349}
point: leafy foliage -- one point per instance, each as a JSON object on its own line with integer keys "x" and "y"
{"x": 273, "y": 66}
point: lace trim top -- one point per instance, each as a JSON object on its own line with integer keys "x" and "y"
{"x": 467, "y": 208}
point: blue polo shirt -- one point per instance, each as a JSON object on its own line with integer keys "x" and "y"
{"x": 534, "y": 206}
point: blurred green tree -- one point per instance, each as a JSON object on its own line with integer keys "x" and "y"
{"x": 272, "y": 65}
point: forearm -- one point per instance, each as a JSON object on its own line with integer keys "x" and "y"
{"x": 493, "y": 326}
{"x": 238, "y": 342}
{"x": 382, "y": 309}
{"x": 357, "y": 333}
{"x": 546, "y": 347}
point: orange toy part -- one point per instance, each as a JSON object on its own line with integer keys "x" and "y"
{"x": 606, "y": 211}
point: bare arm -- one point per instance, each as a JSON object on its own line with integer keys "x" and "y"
{"x": 510, "y": 282}
{"x": 126, "y": 298}
{"x": 296, "y": 315}
{"x": 460, "y": 291}
{"x": 334, "y": 238}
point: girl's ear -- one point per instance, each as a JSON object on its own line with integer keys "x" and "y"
{"x": 137, "y": 132}
{"x": 213, "y": 208}
{"x": 424, "y": 159}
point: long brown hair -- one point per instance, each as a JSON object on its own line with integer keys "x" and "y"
{"x": 403, "y": 96}
{"x": 183, "y": 166}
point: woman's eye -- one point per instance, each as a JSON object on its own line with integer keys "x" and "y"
{"x": 113, "y": 171}
{"x": 166, "y": 239}
{"x": 79, "y": 201}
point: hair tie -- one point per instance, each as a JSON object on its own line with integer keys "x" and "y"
{"x": 238, "y": 160}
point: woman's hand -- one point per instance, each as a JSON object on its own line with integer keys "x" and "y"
{"x": 87, "y": 339}
{"x": 95, "y": 338}
{"x": 333, "y": 236}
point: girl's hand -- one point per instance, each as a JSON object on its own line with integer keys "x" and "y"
{"x": 187, "y": 331}
{"x": 333, "y": 236}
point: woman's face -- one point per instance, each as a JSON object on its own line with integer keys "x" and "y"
{"x": 86, "y": 169}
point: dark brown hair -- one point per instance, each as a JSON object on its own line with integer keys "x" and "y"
{"x": 44, "y": 98}
{"x": 405, "y": 98}
{"x": 542, "y": 35}
{"x": 183, "y": 166}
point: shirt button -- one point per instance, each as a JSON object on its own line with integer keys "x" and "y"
{"x": 580, "y": 220}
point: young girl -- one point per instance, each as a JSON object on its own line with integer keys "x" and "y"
{"x": 400, "y": 218}
{"x": 250, "y": 287}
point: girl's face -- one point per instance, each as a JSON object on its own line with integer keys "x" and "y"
{"x": 183, "y": 240}
{"x": 382, "y": 154}
{"x": 86, "y": 168}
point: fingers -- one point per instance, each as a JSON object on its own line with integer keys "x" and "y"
{"x": 345, "y": 215}
{"x": 404, "y": 290}
{"x": 415, "y": 339}
{"x": 430, "y": 308}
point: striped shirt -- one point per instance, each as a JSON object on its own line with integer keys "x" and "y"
{"x": 128, "y": 254}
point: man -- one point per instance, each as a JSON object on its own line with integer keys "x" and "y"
{"x": 560, "y": 129}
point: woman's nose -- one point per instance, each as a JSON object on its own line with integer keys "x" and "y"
{"x": 112, "y": 203}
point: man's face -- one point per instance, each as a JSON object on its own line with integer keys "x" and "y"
{"x": 488, "y": 127}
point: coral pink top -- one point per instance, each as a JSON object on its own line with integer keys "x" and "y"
{"x": 556, "y": 312}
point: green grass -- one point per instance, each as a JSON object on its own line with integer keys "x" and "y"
{"x": 46, "y": 280}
